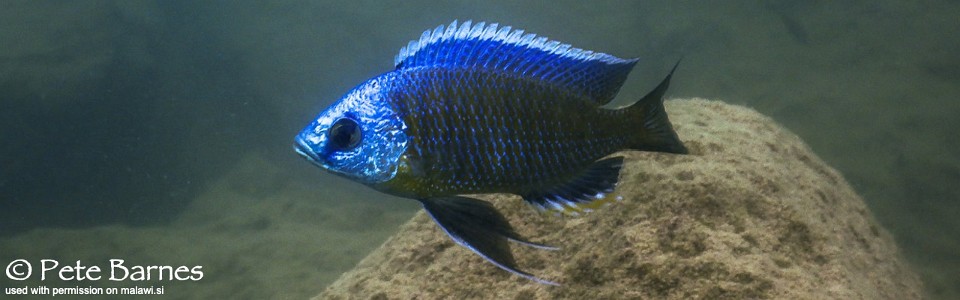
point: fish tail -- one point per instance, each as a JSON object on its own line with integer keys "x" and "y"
{"x": 656, "y": 133}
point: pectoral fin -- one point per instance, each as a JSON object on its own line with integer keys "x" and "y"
{"x": 477, "y": 225}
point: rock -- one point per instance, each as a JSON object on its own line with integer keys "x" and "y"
{"x": 751, "y": 213}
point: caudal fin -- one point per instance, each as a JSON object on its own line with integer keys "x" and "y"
{"x": 656, "y": 132}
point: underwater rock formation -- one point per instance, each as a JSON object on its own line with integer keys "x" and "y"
{"x": 750, "y": 213}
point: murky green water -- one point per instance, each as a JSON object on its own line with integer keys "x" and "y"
{"x": 159, "y": 131}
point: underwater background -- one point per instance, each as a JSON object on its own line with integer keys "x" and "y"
{"x": 160, "y": 132}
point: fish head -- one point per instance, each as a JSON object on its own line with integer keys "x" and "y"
{"x": 360, "y": 137}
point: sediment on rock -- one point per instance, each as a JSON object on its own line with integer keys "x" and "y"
{"x": 751, "y": 212}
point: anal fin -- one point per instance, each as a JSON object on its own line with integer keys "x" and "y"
{"x": 478, "y": 226}
{"x": 583, "y": 193}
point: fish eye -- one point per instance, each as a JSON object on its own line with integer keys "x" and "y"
{"x": 344, "y": 134}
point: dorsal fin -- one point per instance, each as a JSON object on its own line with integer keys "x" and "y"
{"x": 595, "y": 75}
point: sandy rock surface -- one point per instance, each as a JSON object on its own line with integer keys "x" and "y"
{"x": 751, "y": 213}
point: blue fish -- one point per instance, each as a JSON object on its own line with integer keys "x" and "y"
{"x": 480, "y": 108}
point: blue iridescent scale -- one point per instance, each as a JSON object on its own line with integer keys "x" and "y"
{"x": 475, "y": 131}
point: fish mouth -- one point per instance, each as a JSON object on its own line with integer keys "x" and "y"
{"x": 304, "y": 150}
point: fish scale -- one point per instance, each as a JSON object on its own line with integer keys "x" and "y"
{"x": 479, "y": 108}
{"x": 436, "y": 100}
